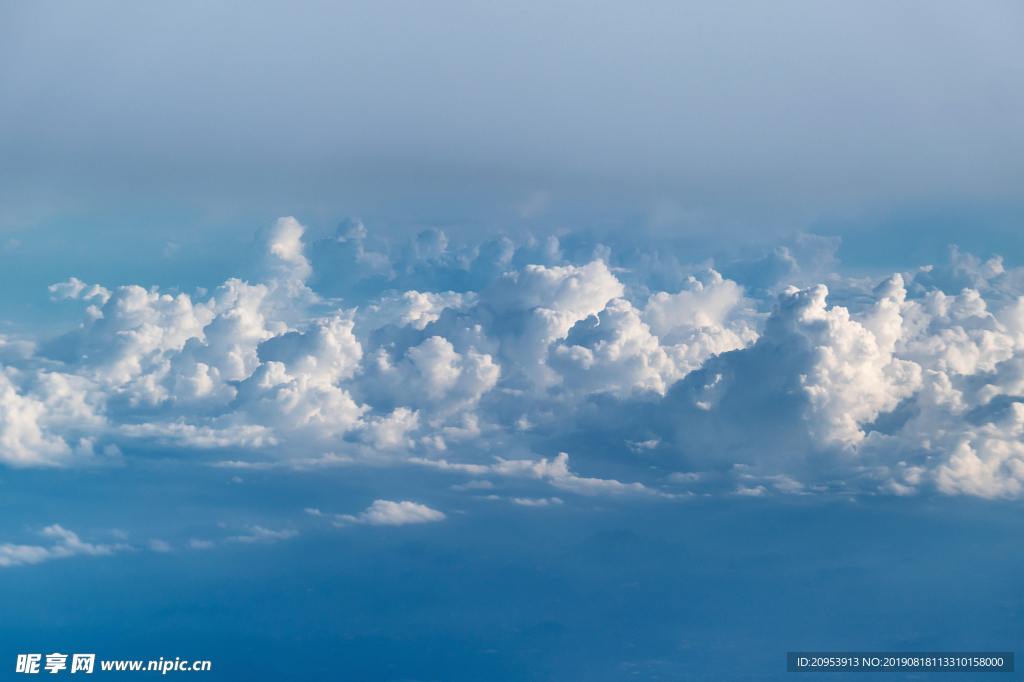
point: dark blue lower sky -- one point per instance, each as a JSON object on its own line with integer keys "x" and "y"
{"x": 590, "y": 590}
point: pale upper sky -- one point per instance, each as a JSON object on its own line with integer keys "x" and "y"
{"x": 803, "y": 107}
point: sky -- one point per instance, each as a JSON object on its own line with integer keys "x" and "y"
{"x": 471, "y": 341}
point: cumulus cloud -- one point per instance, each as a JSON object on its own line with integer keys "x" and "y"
{"x": 387, "y": 513}
{"x": 434, "y": 377}
{"x": 852, "y": 375}
{"x": 469, "y": 358}
{"x": 47, "y": 418}
{"x": 413, "y": 308}
{"x": 67, "y": 544}
{"x": 623, "y": 349}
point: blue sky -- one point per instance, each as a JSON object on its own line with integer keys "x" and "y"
{"x": 477, "y": 342}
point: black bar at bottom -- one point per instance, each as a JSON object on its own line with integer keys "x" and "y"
{"x": 904, "y": 661}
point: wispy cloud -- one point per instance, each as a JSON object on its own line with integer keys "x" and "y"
{"x": 67, "y": 544}
{"x": 261, "y": 534}
{"x": 535, "y": 502}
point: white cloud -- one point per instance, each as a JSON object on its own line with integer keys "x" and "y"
{"x": 535, "y": 502}
{"x": 181, "y": 433}
{"x": 550, "y": 301}
{"x": 413, "y": 308}
{"x": 391, "y": 431}
{"x": 67, "y": 544}
{"x": 13, "y": 349}
{"x": 854, "y": 375}
{"x": 644, "y": 445}
{"x": 261, "y": 534}
{"x": 709, "y": 317}
{"x": 39, "y": 417}
{"x": 474, "y": 485}
{"x": 387, "y": 513}
{"x": 556, "y": 472}
{"x": 286, "y": 257}
{"x": 328, "y": 459}
{"x": 75, "y": 288}
{"x": 786, "y": 484}
{"x": 160, "y": 546}
{"x": 986, "y": 467}
{"x": 614, "y": 353}
{"x": 447, "y": 378}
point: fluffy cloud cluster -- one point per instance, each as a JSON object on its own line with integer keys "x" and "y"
{"x": 470, "y": 359}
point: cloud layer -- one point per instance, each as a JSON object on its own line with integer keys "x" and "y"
{"x": 502, "y": 361}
